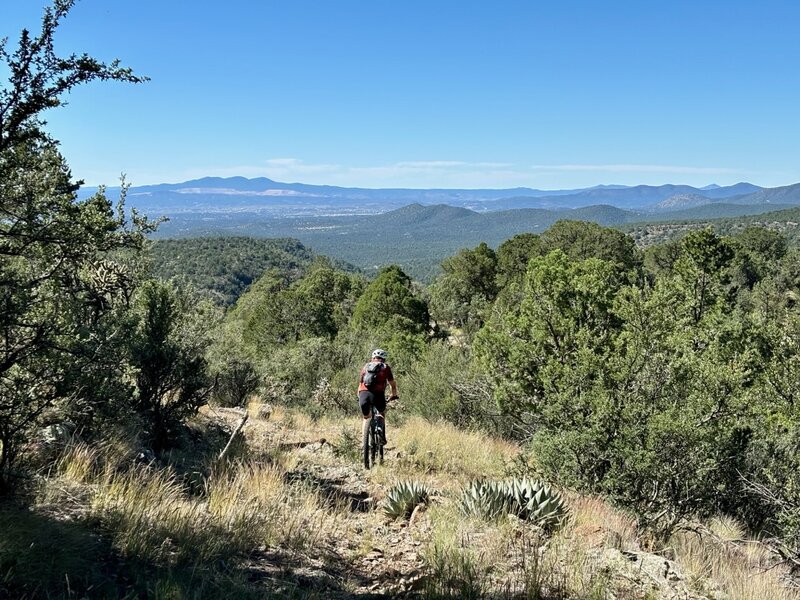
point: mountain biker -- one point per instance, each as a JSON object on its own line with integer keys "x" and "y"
{"x": 375, "y": 394}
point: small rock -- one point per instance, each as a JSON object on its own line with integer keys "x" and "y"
{"x": 59, "y": 433}
{"x": 416, "y": 515}
{"x": 145, "y": 456}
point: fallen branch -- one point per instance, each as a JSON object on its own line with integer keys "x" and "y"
{"x": 233, "y": 435}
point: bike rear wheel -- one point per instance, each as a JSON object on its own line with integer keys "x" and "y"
{"x": 375, "y": 445}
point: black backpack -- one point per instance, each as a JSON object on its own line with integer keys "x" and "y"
{"x": 371, "y": 373}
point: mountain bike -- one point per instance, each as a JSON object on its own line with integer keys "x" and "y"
{"x": 372, "y": 447}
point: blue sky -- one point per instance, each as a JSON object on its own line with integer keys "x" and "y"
{"x": 434, "y": 93}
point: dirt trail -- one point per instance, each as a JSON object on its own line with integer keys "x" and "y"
{"x": 374, "y": 557}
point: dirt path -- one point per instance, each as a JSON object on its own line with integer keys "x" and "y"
{"x": 374, "y": 557}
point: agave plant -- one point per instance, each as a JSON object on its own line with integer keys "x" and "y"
{"x": 403, "y": 497}
{"x": 528, "y": 499}
{"x": 540, "y": 503}
{"x": 486, "y": 499}
{"x": 546, "y": 507}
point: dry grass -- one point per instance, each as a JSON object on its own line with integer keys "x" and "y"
{"x": 597, "y": 524}
{"x": 253, "y": 501}
{"x": 79, "y": 462}
{"x": 442, "y": 449}
{"x": 509, "y": 558}
{"x": 718, "y": 556}
{"x": 150, "y": 516}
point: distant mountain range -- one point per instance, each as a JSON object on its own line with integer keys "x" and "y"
{"x": 273, "y": 198}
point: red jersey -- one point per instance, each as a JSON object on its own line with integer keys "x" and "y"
{"x": 384, "y": 376}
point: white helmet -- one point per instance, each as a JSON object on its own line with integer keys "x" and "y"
{"x": 378, "y": 353}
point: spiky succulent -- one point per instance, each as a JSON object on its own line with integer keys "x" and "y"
{"x": 486, "y": 499}
{"x": 528, "y": 499}
{"x": 402, "y": 498}
{"x": 537, "y": 502}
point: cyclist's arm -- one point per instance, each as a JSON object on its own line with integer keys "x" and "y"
{"x": 360, "y": 379}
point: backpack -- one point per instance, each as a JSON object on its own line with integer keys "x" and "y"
{"x": 372, "y": 372}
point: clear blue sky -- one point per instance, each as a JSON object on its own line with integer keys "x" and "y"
{"x": 434, "y": 93}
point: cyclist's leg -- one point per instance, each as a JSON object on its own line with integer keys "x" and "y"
{"x": 365, "y": 400}
{"x": 379, "y": 398}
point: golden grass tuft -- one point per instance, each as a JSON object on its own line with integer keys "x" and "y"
{"x": 595, "y": 522}
{"x": 253, "y": 501}
{"x": 742, "y": 570}
{"x": 79, "y": 462}
{"x": 727, "y": 528}
{"x": 442, "y": 448}
{"x": 149, "y": 517}
{"x": 245, "y": 506}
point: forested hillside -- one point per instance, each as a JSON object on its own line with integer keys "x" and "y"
{"x": 226, "y": 266}
{"x": 784, "y": 221}
{"x": 420, "y": 237}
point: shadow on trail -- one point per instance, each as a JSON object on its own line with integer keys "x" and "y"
{"x": 334, "y": 490}
{"x": 49, "y": 558}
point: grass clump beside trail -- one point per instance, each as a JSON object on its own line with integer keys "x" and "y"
{"x": 441, "y": 449}
{"x": 720, "y": 554}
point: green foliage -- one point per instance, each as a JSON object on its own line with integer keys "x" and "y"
{"x": 348, "y": 444}
{"x": 536, "y": 501}
{"x": 581, "y": 240}
{"x": 700, "y": 271}
{"x": 65, "y": 265}
{"x": 525, "y": 498}
{"x": 643, "y": 392}
{"x": 233, "y": 366}
{"x": 277, "y": 313}
{"x": 485, "y": 499}
{"x": 440, "y": 384}
{"x": 766, "y": 245}
{"x": 292, "y": 373}
{"x": 293, "y": 335}
{"x": 328, "y": 298}
{"x": 402, "y": 498}
{"x": 226, "y": 266}
{"x": 513, "y": 256}
{"x": 783, "y": 222}
{"x": 757, "y": 253}
{"x": 167, "y": 357}
{"x": 462, "y": 295}
{"x": 390, "y": 304}
{"x": 564, "y": 320}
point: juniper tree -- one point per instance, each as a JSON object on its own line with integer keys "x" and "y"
{"x": 58, "y": 275}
